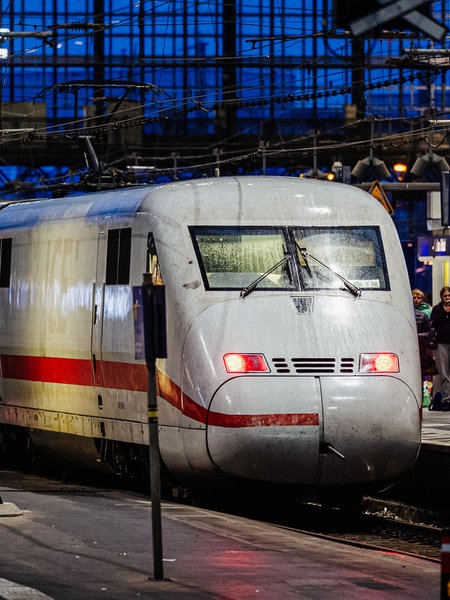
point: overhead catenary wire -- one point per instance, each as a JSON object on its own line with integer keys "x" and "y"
{"x": 249, "y": 96}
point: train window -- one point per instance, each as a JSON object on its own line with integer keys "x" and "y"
{"x": 329, "y": 256}
{"x": 5, "y": 261}
{"x": 235, "y": 257}
{"x": 118, "y": 256}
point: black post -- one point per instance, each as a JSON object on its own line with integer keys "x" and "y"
{"x": 155, "y": 475}
{"x": 155, "y": 347}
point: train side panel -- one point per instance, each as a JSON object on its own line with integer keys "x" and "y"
{"x": 58, "y": 314}
{"x": 46, "y": 332}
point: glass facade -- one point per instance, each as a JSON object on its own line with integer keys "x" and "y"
{"x": 215, "y": 68}
{"x": 184, "y": 88}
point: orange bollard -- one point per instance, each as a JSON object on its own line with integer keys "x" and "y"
{"x": 445, "y": 564}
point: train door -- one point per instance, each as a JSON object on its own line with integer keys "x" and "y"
{"x": 112, "y": 274}
{"x": 98, "y": 295}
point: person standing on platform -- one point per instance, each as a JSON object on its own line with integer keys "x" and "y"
{"x": 440, "y": 317}
{"x": 419, "y": 302}
{"x": 426, "y": 334}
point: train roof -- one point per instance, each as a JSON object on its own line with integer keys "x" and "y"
{"x": 229, "y": 198}
{"x": 95, "y": 206}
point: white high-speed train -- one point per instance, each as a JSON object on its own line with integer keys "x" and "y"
{"x": 291, "y": 341}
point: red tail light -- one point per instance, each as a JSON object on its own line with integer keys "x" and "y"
{"x": 381, "y": 362}
{"x": 245, "y": 363}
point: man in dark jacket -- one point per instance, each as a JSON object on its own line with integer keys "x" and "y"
{"x": 440, "y": 317}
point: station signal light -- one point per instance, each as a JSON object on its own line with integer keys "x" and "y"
{"x": 341, "y": 172}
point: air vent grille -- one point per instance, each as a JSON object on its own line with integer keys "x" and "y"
{"x": 313, "y": 366}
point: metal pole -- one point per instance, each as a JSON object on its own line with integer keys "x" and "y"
{"x": 152, "y": 412}
{"x": 155, "y": 475}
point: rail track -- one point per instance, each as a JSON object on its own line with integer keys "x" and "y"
{"x": 375, "y": 523}
{"x": 377, "y": 531}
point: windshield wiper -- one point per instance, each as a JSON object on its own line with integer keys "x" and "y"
{"x": 249, "y": 289}
{"x": 348, "y": 284}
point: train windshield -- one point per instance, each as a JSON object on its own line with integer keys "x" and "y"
{"x": 353, "y": 253}
{"x": 290, "y": 258}
{"x": 236, "y": 257}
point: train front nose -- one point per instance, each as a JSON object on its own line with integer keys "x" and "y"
{"x": 313, "y": 430}
{"x": 305, "y": 398}
{"x": 249, "y": 437}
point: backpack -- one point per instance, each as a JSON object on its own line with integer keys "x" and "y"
{"x": 432, "y": 339}
{"x": 436, "y": 402}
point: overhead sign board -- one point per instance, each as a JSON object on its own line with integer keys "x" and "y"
{"x": 392, "y": 9}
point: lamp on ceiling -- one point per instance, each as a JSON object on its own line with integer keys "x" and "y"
{"x": 429, "y": 162}
{"x": 400, "y": 170}
{"x": 314, "y": 174}
{"x": 371, "y": 164}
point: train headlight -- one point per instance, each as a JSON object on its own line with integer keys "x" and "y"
{"x": 381, "y": 362}
{"x": 245, "y": 363}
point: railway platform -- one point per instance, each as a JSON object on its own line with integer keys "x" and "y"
{"x": 75, "y": 543}
{"x": 69, "y": 542}
{"x": 432, "y": 470}
{"x": 436, "y": 430}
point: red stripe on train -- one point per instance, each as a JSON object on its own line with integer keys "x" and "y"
{"x": 133, "y": 377}
{"x": 172, "y": 393}
{"x": 75, "y": 371}
{"x": 271, "y": 420}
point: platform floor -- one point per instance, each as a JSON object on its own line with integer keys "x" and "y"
{"x": 92, "y": 544}
{"x": 436, "y": 429}
{"x": 82, "y": 544}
